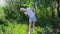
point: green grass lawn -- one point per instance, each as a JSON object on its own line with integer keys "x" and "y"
{"x": 15, "y": 28}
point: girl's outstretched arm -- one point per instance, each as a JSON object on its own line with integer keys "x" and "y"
{"x": 26, "y": 14}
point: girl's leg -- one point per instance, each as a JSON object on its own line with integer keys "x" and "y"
{"x": 29, "y": 28}
{"x": 33, "y": 26}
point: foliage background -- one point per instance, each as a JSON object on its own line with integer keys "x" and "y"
{"x": 12, "y": 21}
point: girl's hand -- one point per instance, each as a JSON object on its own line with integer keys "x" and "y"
{"x": 26, "y": 14}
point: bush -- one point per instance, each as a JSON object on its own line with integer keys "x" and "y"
{"x": 15, "y": 28}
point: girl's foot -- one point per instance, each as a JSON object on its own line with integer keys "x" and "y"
{"x": 28, "y": 32}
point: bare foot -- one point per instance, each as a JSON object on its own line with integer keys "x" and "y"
{"x": 28, "y": 32}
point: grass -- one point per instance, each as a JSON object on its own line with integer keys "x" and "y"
{"x": 15, "y": 28}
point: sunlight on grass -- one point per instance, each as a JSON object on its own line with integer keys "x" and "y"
{"x": 14, "y": 28}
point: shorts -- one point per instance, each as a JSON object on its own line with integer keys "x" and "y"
{"x": 32, "y": 19}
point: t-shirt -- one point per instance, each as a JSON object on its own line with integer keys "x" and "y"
{"x": 29, "y": 12}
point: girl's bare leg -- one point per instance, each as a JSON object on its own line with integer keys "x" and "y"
{"x": 33, "y": 26}
{"x": 29, "y": 28}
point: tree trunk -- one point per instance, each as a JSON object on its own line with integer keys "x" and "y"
{"x": 58, "y": 12}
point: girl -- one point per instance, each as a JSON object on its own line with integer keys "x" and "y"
{"x": 32, "y": 18}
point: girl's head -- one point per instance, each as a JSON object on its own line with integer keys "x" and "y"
{"x": 22, "y": 9}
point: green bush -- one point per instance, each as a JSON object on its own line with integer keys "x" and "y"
{"x": 2, "y": 14}
{"x": 15, "y": 28}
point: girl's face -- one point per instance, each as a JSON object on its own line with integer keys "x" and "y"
{"x": 23, "y": 9}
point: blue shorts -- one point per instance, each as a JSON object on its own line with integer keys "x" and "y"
{"x": 32, "y": 19}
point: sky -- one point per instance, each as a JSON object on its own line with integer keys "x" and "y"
{"x": 2, "y": 2}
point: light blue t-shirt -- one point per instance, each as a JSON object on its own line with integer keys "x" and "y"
{"x": 31, "y": 15}
{"x": 30, "y": 12}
